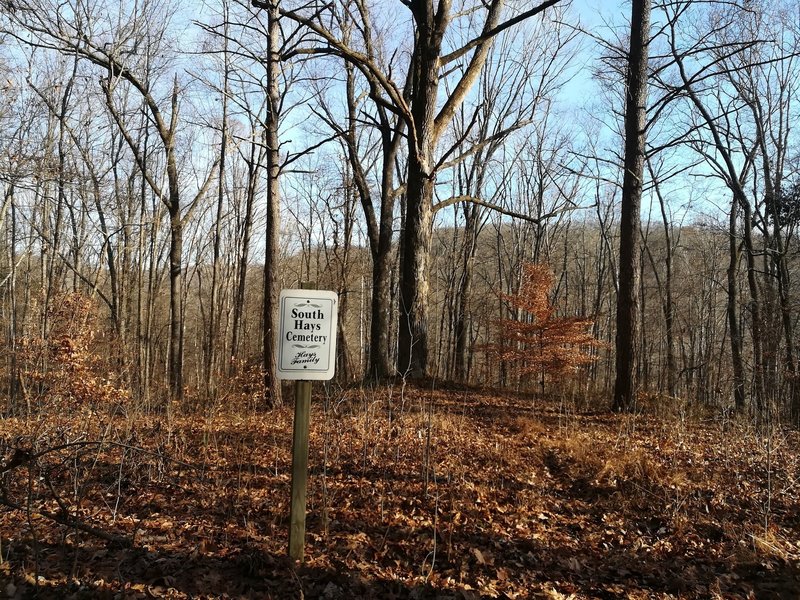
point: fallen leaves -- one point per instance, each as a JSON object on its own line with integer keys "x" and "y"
{"x": 491, "y": 500}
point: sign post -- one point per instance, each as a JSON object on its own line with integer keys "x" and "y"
{"x": 306, "y": 351}
{"x": 297, "y": 513}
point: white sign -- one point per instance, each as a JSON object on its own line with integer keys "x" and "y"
{"x": 307, "y": 335}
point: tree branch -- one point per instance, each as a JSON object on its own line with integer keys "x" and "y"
{"x": 502, "y": 210}
{"x": 493, "y": 31}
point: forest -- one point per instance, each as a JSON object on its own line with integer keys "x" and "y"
{"x": 563, "y": 242}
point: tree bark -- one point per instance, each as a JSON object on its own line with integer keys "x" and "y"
{"x": 755, "y": 307}
{"x": 214, "y": 309}
{"x": 412, "y": 359}
{"x": 461, "y": 332}
{"x": 272, "y": 388}
{"x": 625, "y": 385}
{"x": 247, "y": 226}
{"x": 379, "y": 228}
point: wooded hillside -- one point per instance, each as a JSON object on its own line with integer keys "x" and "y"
{"x": 160, "y": 161}
{"x": 534, "y": 214}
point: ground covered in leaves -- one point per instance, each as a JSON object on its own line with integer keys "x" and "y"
{"x": 414, "y": 493}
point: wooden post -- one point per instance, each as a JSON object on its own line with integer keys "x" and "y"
{"x": 302, "y": 414}
{"x": 297, "y": 527}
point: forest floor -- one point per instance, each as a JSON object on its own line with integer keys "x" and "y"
{"x": 413, "y": 493}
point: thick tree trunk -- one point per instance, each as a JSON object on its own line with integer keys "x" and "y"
{"x": 379, "y": 228}
{"x": 412, "y": 359}
{"x": 412, "y": 353}
{"x": 625, "y": 386}
{"x": 380, "y": 365}
{"x": 344, "y": 359}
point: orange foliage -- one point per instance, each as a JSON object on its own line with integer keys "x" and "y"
{"x": 67, "y": 367}
{"x": 539, "y": 342}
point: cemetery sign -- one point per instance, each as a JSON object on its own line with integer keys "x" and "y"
{"x": 307, "y": 335}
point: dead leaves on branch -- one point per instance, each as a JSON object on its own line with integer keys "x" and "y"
{"x": 536, "y": 341}
{"x": 449, "y": 494}
{"x": 71, "y": 365}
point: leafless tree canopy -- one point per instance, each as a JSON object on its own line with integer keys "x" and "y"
{"x": 176, "y": 166}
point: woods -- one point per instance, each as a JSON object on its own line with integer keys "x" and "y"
{"x": 560, "y": 210}
{"x": 286, "y": 142}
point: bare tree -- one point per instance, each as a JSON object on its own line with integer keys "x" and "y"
{"x": 374, "y": 165}
{"x": 733, "y": 74}
{"x": 427, "y": 116}
{"x": 120, "y": 52}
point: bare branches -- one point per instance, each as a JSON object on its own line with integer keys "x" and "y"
{"x": 503, "y": 210}
{"x": 495, "y": 29}
{"x": 378, "y": 80}
{"x": 31, "y": 460}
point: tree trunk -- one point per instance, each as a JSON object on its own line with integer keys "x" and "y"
{"x": 272, "y": 388}
{"x": 241, "y": 283}
{"x": 412, "y": 359}
{"x": 13, "y": 383}
{"x": 667, "y": 301}
{"x": 175, "y": 305}
{"x": 756, "y": 327}
{"x": 380, "y": 229}
{"x": 380, "y": 365}
{"x": 625, "y": 386}
{"x": 213, "y": 327}
{"x": 175, "y": 259}
{"x": 733, "y": 314}
{"x": 471, "y": 215}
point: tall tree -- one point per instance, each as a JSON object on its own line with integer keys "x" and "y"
{"x": 428, "y": 114}
{"x": 625, "y": 385}
{"x": 378, "y": 205}
{"x": 732, "y": 68}
{"x": 214, "y": 309}
{"x": 263, "y": 23}
{"x": 272, "y": 243}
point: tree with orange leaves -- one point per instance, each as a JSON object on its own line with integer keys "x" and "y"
{"x": 539, "y": 342}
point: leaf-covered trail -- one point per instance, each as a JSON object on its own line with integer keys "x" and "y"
{"x": 413, "y": 494}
